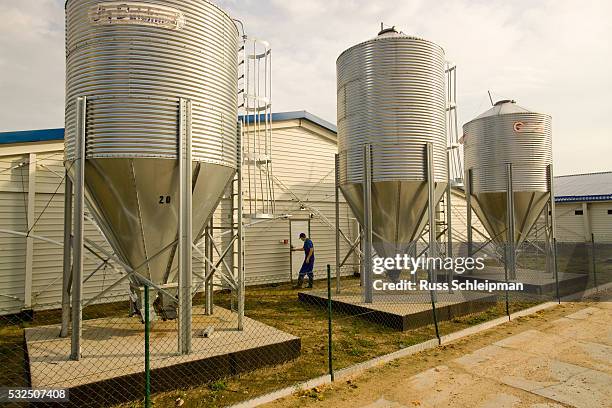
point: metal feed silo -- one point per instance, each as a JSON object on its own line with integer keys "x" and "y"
{"x": 151, "y": 71}
{"x": 508, "y": 146}
{"x": 391, "y": 96}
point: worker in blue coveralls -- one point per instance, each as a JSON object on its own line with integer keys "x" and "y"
{"x": 308, "y": 264}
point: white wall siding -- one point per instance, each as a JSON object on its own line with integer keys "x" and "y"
{"x": 570, "y": 227}
{"x": 601, "y": 221}
{"x": 47, "y": 222}
{"x": 13, "y": 216}
{"x": 303, "y": 166}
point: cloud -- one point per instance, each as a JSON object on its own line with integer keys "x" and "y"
{"x": 31, "y": 64}
{"x": 552, "y": 56}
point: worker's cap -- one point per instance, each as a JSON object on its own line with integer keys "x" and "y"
{"x": 302, "y": 235}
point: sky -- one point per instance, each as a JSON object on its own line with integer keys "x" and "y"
{"x": 551, "y": 56}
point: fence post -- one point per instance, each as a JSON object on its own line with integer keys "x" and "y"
{"x": 506, "y": 251}
{"x": 147, "y": 356}
{"x": 593, "y": 260}
{"x": 556, "y": 271}
{"x": 329, "y": 324}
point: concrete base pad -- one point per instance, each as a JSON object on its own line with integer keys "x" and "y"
{"x": 111, "y": 368}
{"x": 534, "y": 282}
{"x": 402, "y": 312}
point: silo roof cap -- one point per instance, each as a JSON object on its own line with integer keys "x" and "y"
{"x": 503, "y": 107}
{"x": 390, "y": 32}
{"x": 386, "y": 34}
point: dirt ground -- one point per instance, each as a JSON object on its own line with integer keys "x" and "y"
{"x": 555, "y": 358}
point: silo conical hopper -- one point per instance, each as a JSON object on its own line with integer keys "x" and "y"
{"x": 391, "y": 95}
{"x": 508, "y": 134}
{"x": 135, "y": 62}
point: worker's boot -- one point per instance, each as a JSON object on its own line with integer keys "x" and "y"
{"x": 299, "y": 283}
{"x": 310, "y": 279}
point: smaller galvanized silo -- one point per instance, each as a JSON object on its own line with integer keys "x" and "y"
{"x": 508, "y": 134}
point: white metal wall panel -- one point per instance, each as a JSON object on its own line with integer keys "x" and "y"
{"x": 12, "y": 261}
{"x": 459, "y": 219}
{"x": 303, "y": 166}
{"x": 267, "y": 257}
{"x": 601, "y": 221}
{"x": 570, "y": 227}
{"x": 47, "y": 262}
{"x": 304, "y": 162}
{"x": 13, "y": 197}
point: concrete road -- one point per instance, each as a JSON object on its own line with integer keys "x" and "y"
{"x": 566, "y": 363}
{"x": 560, "y": 358}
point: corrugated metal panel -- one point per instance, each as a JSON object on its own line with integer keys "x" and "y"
{"x": 48, "y": 223}
{"x": 391, "y": 95}
{"x": 134, "y": 71}
{"x": 47, "y": 263}
{"x": 514, "y": 136}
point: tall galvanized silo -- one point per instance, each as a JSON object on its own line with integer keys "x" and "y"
{"x": 151, "y": 71}
{"x": 508, "y": 146}
{"x": 391, "y": 96}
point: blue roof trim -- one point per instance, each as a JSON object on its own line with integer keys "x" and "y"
{"x": 23, "y": 136}
{"x": 282, "y": 116}
{"x": 570, "y": 199}
{"x": 43, "y": 135}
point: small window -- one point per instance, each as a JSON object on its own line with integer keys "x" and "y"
{"x": 549, "y": 212}
{"x": 578, "y": 212}
{"x": 609, "y": 212}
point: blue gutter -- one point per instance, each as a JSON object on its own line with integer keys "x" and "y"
{"x": 573, "y": 199}
{"x": 24, "y": 136}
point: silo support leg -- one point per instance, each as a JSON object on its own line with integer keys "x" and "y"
{"x": 185, "y": 228}
{"x": 337, "y": 203}
{"x": 79, "y": 203}
{"x": 449, "y": 226}
{"x": 240, "y": 238}
{"x": 208, "y": 283}
{"x": 67, "y": 261}
{"x": 431, "y": 207}
{"x": 553, "y": 228}
{"x": 367, "y": 208}
{"x": 468, "y": 204}
{"x": 511, "y": 259}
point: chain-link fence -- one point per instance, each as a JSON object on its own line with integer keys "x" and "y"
{"x": 133, "y": 356}
{"x": 284, "y": 339}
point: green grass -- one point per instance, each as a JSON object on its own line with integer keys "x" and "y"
{"x": 355, "y": 340}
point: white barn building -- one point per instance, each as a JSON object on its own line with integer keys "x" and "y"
{"x": 584, "y": 207}
{"x": 303, "y": 148}
{"x": 32, "y": 202}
